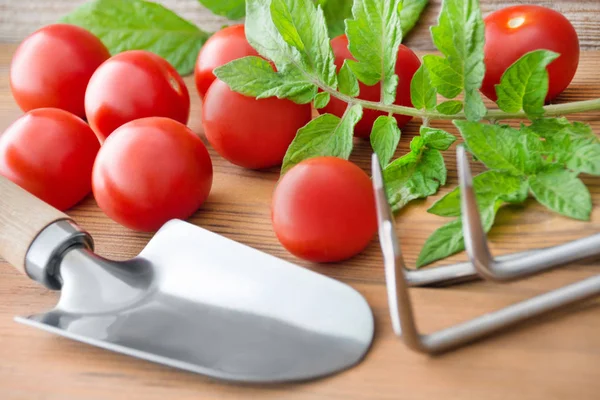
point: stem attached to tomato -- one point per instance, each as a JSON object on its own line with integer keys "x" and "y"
{"x": 551, "y": 110}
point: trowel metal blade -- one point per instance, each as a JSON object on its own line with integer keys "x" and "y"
{"x": 201, "y": 302}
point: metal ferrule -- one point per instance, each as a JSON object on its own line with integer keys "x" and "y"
{"x": 45, "y": 254}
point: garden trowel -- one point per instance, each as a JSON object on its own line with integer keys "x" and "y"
{"x": 192, "y": 299}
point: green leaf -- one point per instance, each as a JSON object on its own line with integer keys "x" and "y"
{"x": 417, "y": 144}
{"x": 142, "y": 25}
{"x": 422, "y": 92}
{"x": 336, "y": 12}
{"x": 560, "y": 190}
{"x": 374, "y": 35}
{"x": 326, "y": 135}
{"x": 450, "y": 107}
{"x": 445, "y": 77}
{"x": 436, "y": 138}
{"x": 262, "y": 34}
{"x": 524, "y": 84}
{"x": 410, "y": 13}
{"x": 384, "y": 138}
{"x": 255, "y": 77}
{"x": 414, "y": 175}
{"x": 302, "y": 25}
{"x": 460, "y": 36}
{"x": 489, "y": 186}
{"x": 321, "y": 100}
{"x": 502, "y": 147}
{"x": 232, "y": 9}
{"x": 449, "y": 239}
{"x": 444, "y": 242}
{"x": 573, "y": 145}
{"x": 347, "y": 82}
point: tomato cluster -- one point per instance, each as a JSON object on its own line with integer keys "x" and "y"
{"x": 145, "y": 166}
{"x": 150, "y": 167}
{"x": 323, "y": 209}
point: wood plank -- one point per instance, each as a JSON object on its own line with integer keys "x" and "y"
{"x": 556, "y": 357}
{"x": 20, "y": 18}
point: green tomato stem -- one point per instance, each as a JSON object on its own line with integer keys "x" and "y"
{"x": 551, "y": 110}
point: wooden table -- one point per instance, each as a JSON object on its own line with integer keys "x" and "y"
{"x": 556, "y": 357}
{"x": 19, "y": 18}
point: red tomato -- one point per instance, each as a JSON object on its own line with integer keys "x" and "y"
{"x": 224, "y": 46}
{"x": 406, "y": 65}
{"x": 149, "y": 171}
{"x": 52, "y": 67}
{"x": 324, "y": 210}
{"x": 132, "y": 85}
{"x": 248, "y": 132}
{"x": 514, "y": 31}
{"x": 50, "y": 153}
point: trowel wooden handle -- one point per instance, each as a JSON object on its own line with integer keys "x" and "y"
{"x": 22, "y": 217}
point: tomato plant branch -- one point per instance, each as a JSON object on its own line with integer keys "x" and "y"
{"x": 551, "y": 110}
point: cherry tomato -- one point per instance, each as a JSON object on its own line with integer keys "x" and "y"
{"x": 224, "y": 46}
{"x": 248, "y": 132}
{"x": 514, "y": 31}
{"x": 50, "y": 153}
{"x": 406, "y": 65}
{"x": 149, "y": 171}
{"x": 323, "y": 210}
{"x": 52, "y": 67}
{"x": 131, "y": 85}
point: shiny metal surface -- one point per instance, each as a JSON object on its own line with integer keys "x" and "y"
{"x": 198, "y": 301}
{"x": 444, "y": 275}
{"x": 401, "y": 311}
{"x": 46, "y": 251}
{"x": 502, "y": 269}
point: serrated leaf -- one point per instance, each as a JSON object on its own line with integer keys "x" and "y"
{"x": 445, "y": 241}
{"x": 374, "y": 35}
{"x": 321, "y": 100}
{"x": 422, "y": 92}
{"x": 460, "y": 36}
{"x": 524, "y": 84}
{"x": 450, "y": 107}
{"x": 347, "y": 82}
{"x": 302, "y": 25}
{"x": 489, "y": 186}
{"x": 584, "y": 156}
{"x": 573, "y": 145}
{"x": 326, "y": 135}
{"x": 254, "y": 76}
{"x": 384, "y": 138}
{"x": 449, "y": 239}
{"x": 417, "y": 144}
{"x": 410, "y": 13}
{"x": 232, "y": 9}
{"x": 502, "y": 147}
{"x": 445, "y": 77}
{"x": 413, "y": 176}
{"x": 561, "y": 191}
{"x": 436, "y": 138}
{"x": 336, "y": 12}
{"x": 263, "y": 36}
{"x": 141, "y": 25}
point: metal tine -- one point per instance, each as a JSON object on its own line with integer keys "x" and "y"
{"x": 509, "y": 269}
{"x": 401, "y": 311}
{"x": 439, "y": 276}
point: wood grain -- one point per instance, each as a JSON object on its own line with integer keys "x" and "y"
{"x": 22, "y": 218}
{"x": 556, "y": 357}
{"x": 20, "y": 18}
